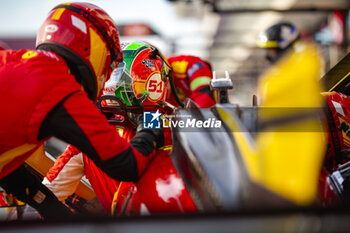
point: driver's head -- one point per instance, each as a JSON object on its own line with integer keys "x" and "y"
{"x": 138, "y": 83}
{"x": 87, "y": 38}
{"x": 277, "y": 40}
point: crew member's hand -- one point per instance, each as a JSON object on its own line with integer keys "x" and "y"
{"x": 156, "y": 134}
{"x": 146, "y": 140}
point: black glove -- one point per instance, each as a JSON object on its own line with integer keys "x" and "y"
{"x": 147, "y": 139}
{"x": 27, "y": 187}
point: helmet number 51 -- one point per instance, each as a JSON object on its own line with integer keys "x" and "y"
{"x": 155, "y": 87}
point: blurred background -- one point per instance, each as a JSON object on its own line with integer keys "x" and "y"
{"x": 224, "y": 32}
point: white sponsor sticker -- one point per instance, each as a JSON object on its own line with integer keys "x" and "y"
{"x": 51, "y": 28}
{"x": 79, "y": 24}
{"x": 338, "y": 108}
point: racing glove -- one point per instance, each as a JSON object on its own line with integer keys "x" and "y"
{"x": 146, "y": 140}
{"x": 28, "y": 188}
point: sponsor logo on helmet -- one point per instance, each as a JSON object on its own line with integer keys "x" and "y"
{"x": 78, "y": 23}
{"x": 148, "y": 63}
{"x": 51, "y": 28}
{"x": 194, "y": 68}
{"x": 108, "y": 90}
{"x": 123, "y": 45}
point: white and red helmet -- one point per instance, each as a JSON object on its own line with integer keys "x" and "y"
{"x": 140, "y": 81}
{"x": 87, "y": 38}
{"x": 138, "y": 84}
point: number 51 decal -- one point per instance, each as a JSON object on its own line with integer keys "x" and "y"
{"x": 155, "y": 86}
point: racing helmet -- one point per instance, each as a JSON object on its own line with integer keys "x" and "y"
{"x": 139, "y": 82}
{"x": 87, "y": 38}
{"x": 278, "y": 39}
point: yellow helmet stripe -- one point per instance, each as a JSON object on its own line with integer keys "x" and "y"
{"x": 98, "y": 55}
{"x": 268, "y": 44}
{"x": 179, "y": 66}
{"x": 57, "y": 14}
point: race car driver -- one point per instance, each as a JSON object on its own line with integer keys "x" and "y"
{"x": 137, "y": 85}
{"x": 192, "y": 77}
{"x": 278, "y": 39}
{"x": 50, "y": 92}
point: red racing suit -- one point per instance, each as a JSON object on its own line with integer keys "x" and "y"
{"x": 64, "y": 177}
{"x": 40, "y": 99}
{"x": 191, "y": 77}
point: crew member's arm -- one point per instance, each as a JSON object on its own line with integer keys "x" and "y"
{"x": 199, "y": 77}
{"x": 77, "y": 121}
{"x": 64, "y": 177}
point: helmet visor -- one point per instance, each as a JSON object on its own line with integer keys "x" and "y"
{"x": 120, "y": 85}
